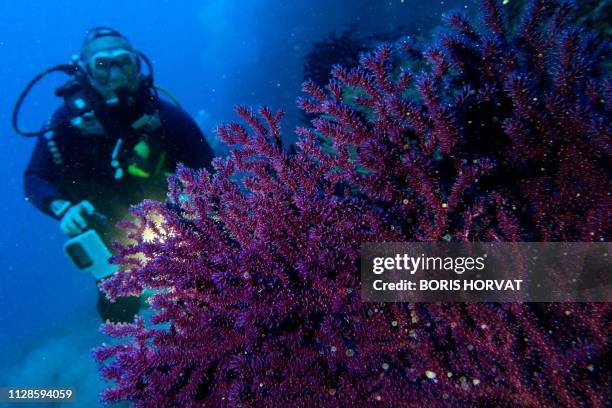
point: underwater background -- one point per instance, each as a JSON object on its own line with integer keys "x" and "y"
{"x": 546, "y": 80}
{"x": 211, "y": 55}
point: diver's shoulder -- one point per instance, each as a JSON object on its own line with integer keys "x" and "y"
{"x": 171, "y": 110}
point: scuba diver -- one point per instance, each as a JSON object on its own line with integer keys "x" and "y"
{"x": 111, "y": 144}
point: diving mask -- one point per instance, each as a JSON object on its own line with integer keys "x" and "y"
{"x": 117, "y": 67}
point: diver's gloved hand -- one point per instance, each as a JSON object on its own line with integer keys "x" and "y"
{"x": 74, "y": 220}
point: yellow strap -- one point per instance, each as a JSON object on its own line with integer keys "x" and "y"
{"x": 135, "y": 171}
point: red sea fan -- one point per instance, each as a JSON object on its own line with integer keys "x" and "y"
{"x": 504, "y": 137}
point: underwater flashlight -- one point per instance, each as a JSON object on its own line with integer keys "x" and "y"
{"x": 89, "y": 254}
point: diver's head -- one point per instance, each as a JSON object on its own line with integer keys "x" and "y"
{"x": 111, "y": 62}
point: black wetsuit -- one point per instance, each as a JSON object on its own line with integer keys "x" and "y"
{"x": 70, "y": 165}
{"x": 85, "y": 172}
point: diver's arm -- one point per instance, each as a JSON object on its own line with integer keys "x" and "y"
{"x": 40, "y": 180}
{"x": 42, "y": 175}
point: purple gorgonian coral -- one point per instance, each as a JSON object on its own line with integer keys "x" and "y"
{"x": 494, "y": 133}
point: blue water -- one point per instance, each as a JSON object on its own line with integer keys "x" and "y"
{"x": 212, "y": 55}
